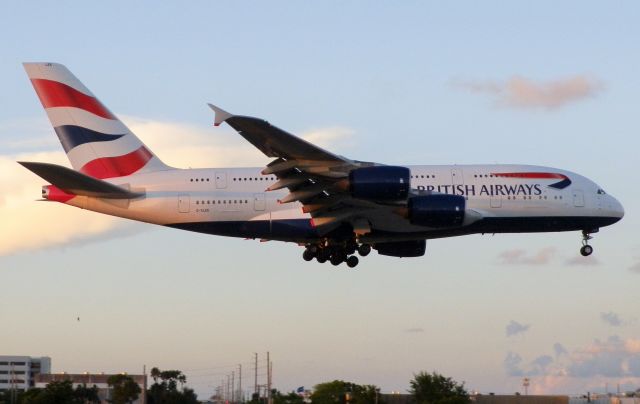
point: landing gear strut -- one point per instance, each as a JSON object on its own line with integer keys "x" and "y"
{"x": 586, "y": 249}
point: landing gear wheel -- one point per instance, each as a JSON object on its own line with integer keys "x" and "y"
{"x": 308, "y": 255}
{"x": 336, "y": 259}
{"x": 323, "y": 255}
{"x": 364, "y": 250}
{"x": 352, "y": 261}
{"x": 586, "y": 250}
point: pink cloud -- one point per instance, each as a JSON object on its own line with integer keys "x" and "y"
{"x": 521, "y": 92}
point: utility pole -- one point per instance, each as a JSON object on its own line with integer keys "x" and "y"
{"x": 525, "y": 383}
{"x": 228, "y": 388}
{"x": 144, "y": 384}
{"x": 255, "y": 382}
{"x": 268, "y": 379}
{"x": 233, "y": 386}
{"x": 240, "y": 395}
{"x": 222, "y": 396}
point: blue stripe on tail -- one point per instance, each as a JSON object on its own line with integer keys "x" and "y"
{"x": 72, "y": 136}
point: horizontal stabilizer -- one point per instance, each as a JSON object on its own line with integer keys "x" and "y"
{"x": 74, "y": 182}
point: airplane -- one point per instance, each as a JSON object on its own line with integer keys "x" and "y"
{"x": 331, "y": 205}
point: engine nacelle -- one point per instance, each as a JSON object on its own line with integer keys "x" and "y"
{"x": 438, "y": 210}
{"x": 380, "y": 183}
{"x": 413, "y": 248}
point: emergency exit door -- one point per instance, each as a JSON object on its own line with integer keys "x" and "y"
{"x": 221, "y": 179}
{"x": 456, "y": 176}
{"x": 578, "y": 198}
{"x": 259, "y": 202}
{"x": 183, "y": 203}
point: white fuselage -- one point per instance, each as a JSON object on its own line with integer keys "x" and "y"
{"x": 232, "y": 201}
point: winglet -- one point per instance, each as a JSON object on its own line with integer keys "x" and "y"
{"x": 221, "y": 115}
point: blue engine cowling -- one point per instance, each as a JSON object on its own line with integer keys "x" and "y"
{"x": 437, "y": 210}
{"x": 413, "y": 248}
{"x": 380, "y": 183}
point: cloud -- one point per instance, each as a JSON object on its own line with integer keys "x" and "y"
{"x": 559, "y": 349}
{"x": 515, "y": 328}
{"x": 414, "y": 330}
{"x": 336, "y": 136}
{"x": 540, "y": 365}
{"x": 614, "y": 358}
{"x": 29, "y": 225}
{"x": 579, "y": 260}
{"x": 544, "y": 256}
{"x": 515, "y": 366}
{"x": 635, "y": 268}
{"x": 512, "y": 363}
{"x": 521, "y": 92}
{"x": 520, "y": 257}
{"x": 612, "y": 319}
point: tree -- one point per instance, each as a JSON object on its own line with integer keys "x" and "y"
{"x": 290, "y": 398}
{"x": 164, "y": 389}
{"x": 86, "y": 394}
{"x": 124, "y": 389}
{"x": 434, "y": 388}
{"x": 57, "y": 392}
{"x": 341, "y": 392}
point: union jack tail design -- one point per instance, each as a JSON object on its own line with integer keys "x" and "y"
{"x": 97, "y": 143}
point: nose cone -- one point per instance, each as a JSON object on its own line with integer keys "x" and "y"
{"x": 616, "y": 208}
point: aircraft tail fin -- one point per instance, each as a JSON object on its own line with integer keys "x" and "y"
{"x": 96, "y": 142}
{"x": 73, "y": 183}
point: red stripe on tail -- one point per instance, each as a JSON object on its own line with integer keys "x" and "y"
{"x": 55, "y": 94}
{"x": 120, "y": 166}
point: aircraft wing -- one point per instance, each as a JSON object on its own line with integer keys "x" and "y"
{"x": 315, "y": 177}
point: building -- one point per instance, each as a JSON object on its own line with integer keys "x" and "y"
{"x": 90, "y": 380}
{"x": 18, "y": 373}
{"x": 519, "y": 399}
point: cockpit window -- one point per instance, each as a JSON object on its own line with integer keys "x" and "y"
{"x": 601, "y": 191}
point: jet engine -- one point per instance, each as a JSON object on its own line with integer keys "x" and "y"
{"x": 437, "y": 210}
{"x": 412, "y": 248}
{"x": 380, "y": 183}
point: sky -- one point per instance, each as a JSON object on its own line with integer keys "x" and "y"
{"x": 412, "y": 82}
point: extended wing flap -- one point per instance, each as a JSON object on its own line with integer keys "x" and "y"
{"x": 77, "y": 183}
{"x": 314, "y": 176}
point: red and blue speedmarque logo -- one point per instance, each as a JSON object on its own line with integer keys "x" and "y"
{"x": 562, "y": 184}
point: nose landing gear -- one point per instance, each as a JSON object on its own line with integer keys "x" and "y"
{"x": 586, "y": 249}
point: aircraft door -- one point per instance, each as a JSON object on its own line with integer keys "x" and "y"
{"x": 578, "y": 198}
{"x": 221, "y": 179}
{"x": 496, "y": 201}
{"x": 183, "y": 203}
{"x": 258, "y": 202}
{"x": 456, "y": 176}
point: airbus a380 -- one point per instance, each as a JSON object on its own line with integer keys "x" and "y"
{"x": 331, "y": 205}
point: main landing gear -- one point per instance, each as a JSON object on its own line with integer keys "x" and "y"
{"x": 586, "y": 249}
{"x": 336, "y": 254}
